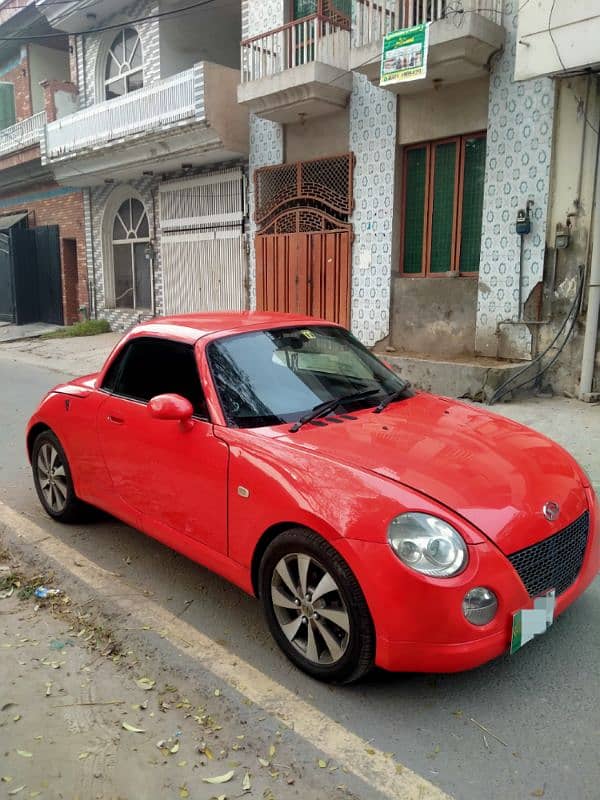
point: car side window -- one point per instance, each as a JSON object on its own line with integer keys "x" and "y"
{"x": 151, "y": 366}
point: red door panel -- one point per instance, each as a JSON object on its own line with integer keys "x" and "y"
{"x": 174, "y": 477}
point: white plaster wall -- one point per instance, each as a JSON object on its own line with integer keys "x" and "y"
{"x": 519, "y": 145}
{"x": 573, "y": 43}
{"x": 45, "y": 63}
{"x": 373, "y": 140}
{"x": 449, "y": 110}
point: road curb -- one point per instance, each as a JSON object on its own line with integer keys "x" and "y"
{"x": 370, "y": 765}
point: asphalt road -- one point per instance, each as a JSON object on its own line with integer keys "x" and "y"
{"x": 542, "y": 703}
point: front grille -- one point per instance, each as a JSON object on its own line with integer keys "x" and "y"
{"x": 555, "y": 562}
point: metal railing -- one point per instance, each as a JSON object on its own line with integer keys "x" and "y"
{"x": 162, "y": 103}
{"x": 314, "y": 38}
{"x": 374, "y": 18}
{"x": 23, "y": 134}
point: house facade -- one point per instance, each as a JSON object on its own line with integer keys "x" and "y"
{"x": 43, "y": 274}
{"x": 158, "y": 145}
{"x": 395, "y": 209}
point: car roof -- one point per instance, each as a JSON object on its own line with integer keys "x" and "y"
{"x": 191, "y": 327}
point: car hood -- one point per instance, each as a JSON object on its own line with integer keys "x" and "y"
{"x": 495, "y": 473}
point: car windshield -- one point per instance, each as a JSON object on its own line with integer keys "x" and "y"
{"x": 274, "y": 376}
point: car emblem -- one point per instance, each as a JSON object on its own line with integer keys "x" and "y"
{"x": 551, "y": 511}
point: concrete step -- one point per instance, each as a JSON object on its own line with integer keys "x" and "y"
{"x": 474, "y": 378}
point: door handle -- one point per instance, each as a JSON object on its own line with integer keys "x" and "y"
{"x": 115, "y": 420}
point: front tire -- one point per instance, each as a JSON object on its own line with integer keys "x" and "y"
{"x": 315, "y": 608}
{"x": 53, "y": 481}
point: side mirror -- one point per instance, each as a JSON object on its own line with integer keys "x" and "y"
{"x": 174, "y": 407}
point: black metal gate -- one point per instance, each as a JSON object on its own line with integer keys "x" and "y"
{"x": 48, "y": 274}
{"x": 7, "y": 296}
{"x": 30, "y": 266}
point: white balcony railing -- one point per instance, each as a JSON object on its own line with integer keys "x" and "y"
{"x": 165, "y": 102}
{"x": 375, "y": 18}
{"x": 24, "y": 134}
{"x": 313, "y": 38}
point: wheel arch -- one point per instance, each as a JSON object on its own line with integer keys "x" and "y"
{"x": 270, "y": 535}
{"x": 33, "y": 433}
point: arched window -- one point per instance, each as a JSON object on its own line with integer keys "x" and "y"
{"x": 124, "y": 64}
{"x": 130, "y": 239}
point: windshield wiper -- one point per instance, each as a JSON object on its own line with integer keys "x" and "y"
{"x": 399, "y": 394}
{"x": 322, "y": 409}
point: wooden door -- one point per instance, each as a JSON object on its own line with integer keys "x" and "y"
{"x": 305, "y": 273}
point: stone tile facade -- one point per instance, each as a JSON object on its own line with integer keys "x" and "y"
{"x": 519, "y": 146}
{"x": 373, "y": 142}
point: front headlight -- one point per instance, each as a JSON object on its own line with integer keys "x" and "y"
{"x": 427, "y": 544}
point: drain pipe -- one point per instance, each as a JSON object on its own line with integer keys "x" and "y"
{"x": 588, "y": 358}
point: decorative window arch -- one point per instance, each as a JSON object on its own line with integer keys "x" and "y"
{"x": 123, "y": 65}
{"x": 126, "y": 250}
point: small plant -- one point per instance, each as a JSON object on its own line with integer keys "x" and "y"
{"x": 90, "y": 327}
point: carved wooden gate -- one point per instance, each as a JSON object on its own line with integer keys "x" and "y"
{"x": 303, "y": 248}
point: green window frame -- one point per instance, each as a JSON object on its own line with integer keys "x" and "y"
{"x": 442, "y": 206}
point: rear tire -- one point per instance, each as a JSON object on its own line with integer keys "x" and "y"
{"x": 315, "y": 607}
{"x": 53, "y": 481}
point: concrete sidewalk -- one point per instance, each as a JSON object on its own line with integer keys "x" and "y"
{"x": 77, "y": 355}
{"x": 84, "y": 714}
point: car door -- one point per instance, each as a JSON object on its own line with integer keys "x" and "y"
{"x": 171, "y": 476}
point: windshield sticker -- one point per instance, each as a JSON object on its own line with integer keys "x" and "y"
{"x": 308, "y": 334}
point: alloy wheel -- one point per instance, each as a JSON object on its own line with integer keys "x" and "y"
{"x": 309, "y": 608}
{"x": 52, "y": 477}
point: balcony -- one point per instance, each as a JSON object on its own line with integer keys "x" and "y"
{"x": 193, "y": 114}
{"x": 460, "y": 42}
{"x": 22, "y": 135}
{"x": 297, "y": 71}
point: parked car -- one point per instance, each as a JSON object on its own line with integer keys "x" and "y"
{"x": 377, "y": 525}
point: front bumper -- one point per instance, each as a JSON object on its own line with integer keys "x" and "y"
{"x": 419, "y": 622}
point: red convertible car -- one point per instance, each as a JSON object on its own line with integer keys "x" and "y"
{"x": 377, "y": 525}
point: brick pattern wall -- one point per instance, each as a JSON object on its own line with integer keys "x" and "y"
{"x": 18, "y": 74}
{"x": 52, "y": 205}
{"x": 91, "y": 49}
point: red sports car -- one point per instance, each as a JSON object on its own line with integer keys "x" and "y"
{"x": 378, "y": 525}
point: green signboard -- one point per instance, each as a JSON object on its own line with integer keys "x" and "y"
{"x": 404, "y": 56}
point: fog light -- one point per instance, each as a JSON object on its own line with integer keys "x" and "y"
{"x": 480, "y": 605}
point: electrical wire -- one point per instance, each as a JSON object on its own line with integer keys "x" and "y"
{"x": 572, "y": 315}
{"x": 114, "y": 26}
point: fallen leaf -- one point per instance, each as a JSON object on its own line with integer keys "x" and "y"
{"x": 81, "y": 756}
{"x": 16, "y": 718}
{"x": 145, "y": 683}
{"x": 217, "y": 693}
{"x": 220, "y": 778}
{"x": 263, "y": 762}
{"x": 246, "y": 785}
{"x": 126, "y": 726}
{"x": 6, "y": 778}
{"x": 183, "y": 791}
{"x": 17, "y": 790}
{"x": 369, "y": 751}
{"x": 174, "y": 749}
{"x": 272, "y": 750}
{"x": 535, "y": 793}
{"x": 24, "y": 753}
{"x": 34, "y": 794}
{"x": 322, "y": 764}
{"x": 181, "y": 763}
